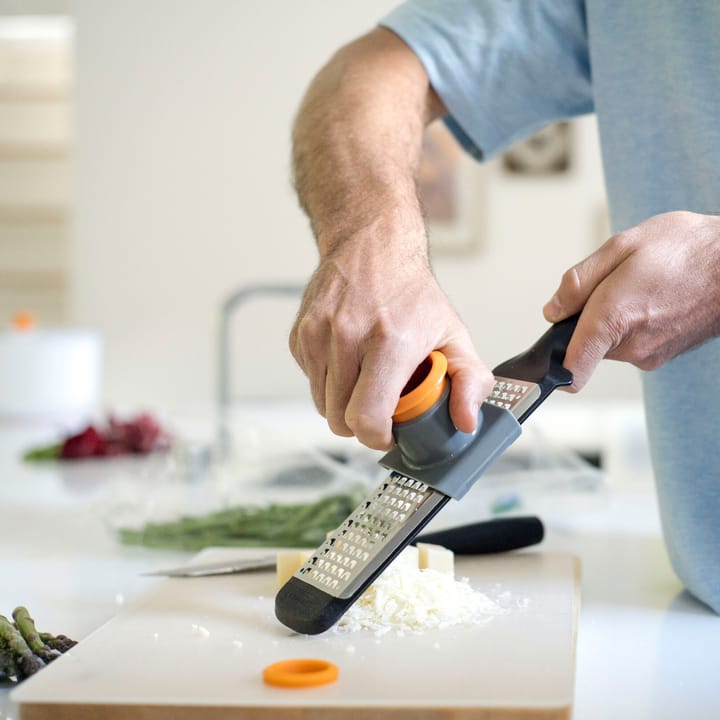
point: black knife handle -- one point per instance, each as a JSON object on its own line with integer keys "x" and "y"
{"x": 489, "y": 536}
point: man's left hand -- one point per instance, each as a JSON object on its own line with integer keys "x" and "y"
{"x": 648, "y": 294}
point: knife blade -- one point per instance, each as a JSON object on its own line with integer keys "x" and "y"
{"x": 481, "y": 538}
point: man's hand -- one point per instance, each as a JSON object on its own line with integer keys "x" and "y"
{"x": 648, "y": 294}
{"x": 365, "y": 323}
{"x": 372, "y": 311}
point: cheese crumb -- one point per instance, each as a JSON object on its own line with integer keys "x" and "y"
{"x": 406, "y": 598}
{"x": 201, "y": 631}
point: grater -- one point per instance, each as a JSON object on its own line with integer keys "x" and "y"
{"x": 431, "y": 463}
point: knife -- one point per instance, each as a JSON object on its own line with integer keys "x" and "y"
{"x": 480, "y": 538}
{"x": 431, "y": 463}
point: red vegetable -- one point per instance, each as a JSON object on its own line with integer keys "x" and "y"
{"x": 85, "y": 444}
{"x": 141, "y": 435}
{"x": 138, "y": 436}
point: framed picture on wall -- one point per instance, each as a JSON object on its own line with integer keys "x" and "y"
{"x": 547, "y": 152}
{"x": 451, "y": 189}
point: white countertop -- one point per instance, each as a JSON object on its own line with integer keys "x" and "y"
{"x": 645, "y": 648}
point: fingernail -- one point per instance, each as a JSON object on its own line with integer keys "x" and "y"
{"x": 473, "y": 420}
{"x": 553, "y": 308}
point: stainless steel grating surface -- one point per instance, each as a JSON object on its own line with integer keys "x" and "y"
{"x": 513, "y": 395}
{"x": 369, "y": 535}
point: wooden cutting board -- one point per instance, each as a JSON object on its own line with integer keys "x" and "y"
{"x": 194, "y": 649}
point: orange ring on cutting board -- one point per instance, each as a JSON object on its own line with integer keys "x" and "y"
{"x": 419, "y": 394}
{"x": 300, "y": 672}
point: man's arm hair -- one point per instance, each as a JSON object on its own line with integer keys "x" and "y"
{"x": 357, "y": 138}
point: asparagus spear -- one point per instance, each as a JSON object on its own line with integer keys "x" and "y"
{"x": 26, "y": 625}
{"x": 61, "y": 643}
{"x": 8, "y": 666}
{"x": 27, "y": 662}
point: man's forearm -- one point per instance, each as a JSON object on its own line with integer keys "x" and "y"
{"x": 357, "y": 142}
{"x": 372, "y": 310}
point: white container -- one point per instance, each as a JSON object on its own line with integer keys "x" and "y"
{"x": 49, "y": 374}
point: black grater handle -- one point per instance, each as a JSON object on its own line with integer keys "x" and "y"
{"x": 542, "y": 364}
{"x": 488, "y": 536}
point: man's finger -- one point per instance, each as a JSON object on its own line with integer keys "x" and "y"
{"x": 589, "y": 344}
{"x": 579, "y": 282}
{"x": 375, "y": 395}
{"x": 310, "y": 355}
{"x": 471, "y": 384}
{"x": 342, "y": 375}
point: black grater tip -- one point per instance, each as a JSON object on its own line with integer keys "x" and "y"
{"x": 306, "y": 609}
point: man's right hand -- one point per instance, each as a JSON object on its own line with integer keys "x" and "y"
{"x": 372, "y": 311}
{"x": 365, "y": 323}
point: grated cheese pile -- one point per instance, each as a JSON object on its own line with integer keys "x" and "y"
{"x": 407, "y": 599}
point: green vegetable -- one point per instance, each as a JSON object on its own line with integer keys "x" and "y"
{"x": 279, "y": 525}
{"x": 61, "y": 643}
{"x": 26, "y": 625}
{"x": 8, "y": 666}
{"x": 26, "y": 662}
{"x": 49, "y": 452}
{"x": 23, "y": 650}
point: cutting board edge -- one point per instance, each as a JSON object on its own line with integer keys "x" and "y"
{"x": 51, "y": 711}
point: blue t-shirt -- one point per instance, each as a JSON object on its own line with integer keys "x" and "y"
{"x": 650, "y": 70}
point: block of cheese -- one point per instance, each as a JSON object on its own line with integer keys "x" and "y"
{"x": 288, "y": 562}
{"x": 409, "y": 557}
{"x": 436, "y": 557}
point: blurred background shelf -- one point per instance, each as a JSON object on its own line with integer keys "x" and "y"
{"x": 35, "y": 154}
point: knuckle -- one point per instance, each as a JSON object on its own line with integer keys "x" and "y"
{"x": 635, "y": 355}
{"x": 294, "y": 343}
{"x": 336, "y": 423}
{"x": 345, "y": 327}
{"x": 650, "y": 363}
{"x": 385, "y": 330}
{"x": 309, "y": 330}
{"x": 646, "y": 364}
{"x": 368, "y": 430}
{"x": 613, "y": 326}
{"x": 294, "y": 348}
{"x": 622, "y": 243}
{"x": 570, "y": 280}
{"x": 642, "y": 356}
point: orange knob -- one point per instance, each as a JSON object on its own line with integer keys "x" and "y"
{"x": 423, "y": 389}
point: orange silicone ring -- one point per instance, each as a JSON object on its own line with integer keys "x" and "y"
{"x": 425, "y": 394}
{"x": 300, "y": 672}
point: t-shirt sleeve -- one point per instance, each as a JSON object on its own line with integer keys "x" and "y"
{"x": 503, "y": 68}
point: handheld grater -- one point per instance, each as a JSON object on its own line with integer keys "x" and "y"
{"x": 431, "y": 462}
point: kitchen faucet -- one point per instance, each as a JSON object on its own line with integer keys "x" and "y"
{"x": 231, "y": 304}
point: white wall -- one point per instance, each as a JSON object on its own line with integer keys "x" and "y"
{"x": 182, "y": 194}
